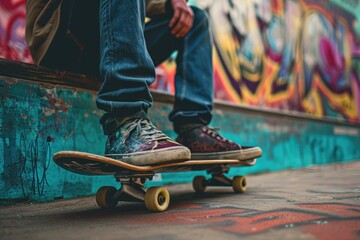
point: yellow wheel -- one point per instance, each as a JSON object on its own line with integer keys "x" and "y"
{"x": 239, "y": 184}
{"x": 157, "y": 199}
{"x": 199, "y": 184}
{"x": 105, "y": 197}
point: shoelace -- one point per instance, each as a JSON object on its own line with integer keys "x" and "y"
{"x": 144, "y": 129}
{"x": 213, "y": 131}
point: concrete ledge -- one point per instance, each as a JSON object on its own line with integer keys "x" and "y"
{"x": 39, "y": 74}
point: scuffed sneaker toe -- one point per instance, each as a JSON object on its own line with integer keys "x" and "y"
{"x": 139, "y": 142}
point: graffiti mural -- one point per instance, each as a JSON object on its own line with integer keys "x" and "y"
{"x": 12, "y": 31}
{"x": 297, "y": 55}
{"x": 287, "y": 54}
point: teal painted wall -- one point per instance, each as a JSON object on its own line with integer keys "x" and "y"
{"x": 37, "y": 120}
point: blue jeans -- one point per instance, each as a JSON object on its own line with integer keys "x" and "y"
{"x": 129, "y": 50}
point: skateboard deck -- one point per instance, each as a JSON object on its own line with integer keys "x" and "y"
{"x": 133, "y": 178}
{"x": 92, "y": 164}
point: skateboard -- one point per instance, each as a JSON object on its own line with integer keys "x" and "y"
{"x": 133, "y": 178}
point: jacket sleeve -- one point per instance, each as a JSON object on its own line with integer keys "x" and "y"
{"x": 155, "y": 7}
{"x": 42, "y": 23}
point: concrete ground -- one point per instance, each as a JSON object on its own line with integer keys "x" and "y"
{"x": 321, "y": 202}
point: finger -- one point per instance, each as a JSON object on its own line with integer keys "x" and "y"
{"x": 187, "y": 26}
{"x": 175, "y": 18}
{"x": 180, "y": 24}
{"x": 184, "y": 30}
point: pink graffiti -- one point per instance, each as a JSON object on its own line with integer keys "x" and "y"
{"x": 12, "y": 31}
{"x": 334, "y": 61}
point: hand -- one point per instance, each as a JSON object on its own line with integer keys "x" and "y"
{"x": 182, "y": 21}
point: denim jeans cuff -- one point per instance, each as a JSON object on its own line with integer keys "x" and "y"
{"x": 183, "y": 128}
{"x": 184, "y": 124}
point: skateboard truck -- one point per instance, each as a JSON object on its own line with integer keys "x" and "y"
{"x": 156, "y": 199}
{"x": 218, "y": 179}
{"x": 132, "y": 186}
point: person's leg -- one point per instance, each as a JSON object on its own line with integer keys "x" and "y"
{"x": 194, "y": 73}
{"x": 126, "y": 70}
{"x": 125, "y": 65}
{"x": 194, "y": 88}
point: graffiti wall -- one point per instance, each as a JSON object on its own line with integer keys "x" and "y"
{"x": 12, "y": 31}
{"x": 292, "y": 55}
{"x": 297, "y": 55}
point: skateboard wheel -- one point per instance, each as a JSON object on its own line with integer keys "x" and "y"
{"x": 199, "y": 184}
{"x": 105, "y": 197}
{"x": 157, "y": 199}
{"x": 239, "y": 184}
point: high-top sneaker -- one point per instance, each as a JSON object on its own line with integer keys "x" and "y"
{"x": 139, "y": 142}
{"x": 206, "y": 143}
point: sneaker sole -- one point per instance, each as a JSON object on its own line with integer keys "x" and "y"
{"x": 154, "y": 157}
{"x": 245, "y": 154}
